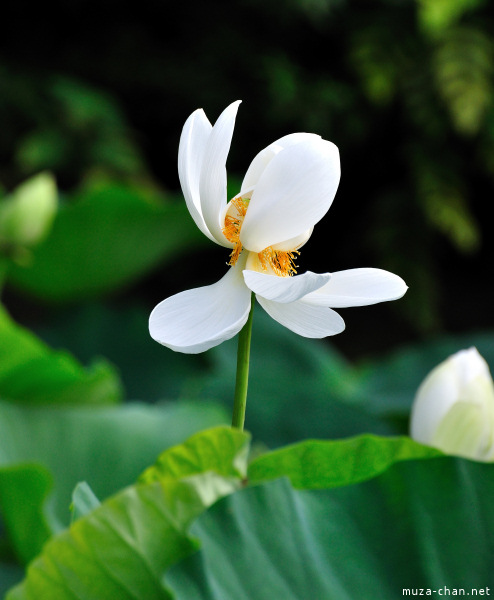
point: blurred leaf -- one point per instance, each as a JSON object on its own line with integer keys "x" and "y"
{"x": 437, "y": 15}
{"x": 32, "y": 373}
{"x": 107, "y": 447}
{"x": 298, "y": 388}
{"x": 79, "y": 128}
{"x": 23, "y": 493}
{"x": 10, "y": 574}
{"x": 121, "y": 549}
{"x": 148, "y": 371}
{"x": 374, "y": 56}
{"x": 388, "y": 385}
{"x": 420, "y": 524}
{"x": 463, "y": 64}
{"x": 445, "y": 204}
{"x": 110, "y": 236}
{"x": 84, "y": 500}
{"x": 420, "y": 305}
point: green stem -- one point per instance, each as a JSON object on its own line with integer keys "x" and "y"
{"x": 242, "y": 380}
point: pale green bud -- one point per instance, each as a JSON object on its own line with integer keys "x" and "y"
{"x": 26, "y": 215}
{"x": 454, "y": 407}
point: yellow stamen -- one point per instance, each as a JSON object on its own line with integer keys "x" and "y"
{"x": 233, "y": 224}
{"x": 280, "y": 261}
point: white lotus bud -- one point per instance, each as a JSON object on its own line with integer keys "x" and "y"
{"x": 27, "y": 214}
{"x": 454, "y": 407}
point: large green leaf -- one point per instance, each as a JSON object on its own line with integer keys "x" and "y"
{"x": 106, "y": 238}
{"x": 420, "y": 524}
{"x": 32, "y": 373}
{"x": 107, "y": 447}
{"x": 319, "y": 464}
{"x": 122, "y": 548}
{"x": 424, "y": 521}
{"x": 209, "y": 465}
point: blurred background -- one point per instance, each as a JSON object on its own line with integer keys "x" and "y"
{"x": 96, "y": 93}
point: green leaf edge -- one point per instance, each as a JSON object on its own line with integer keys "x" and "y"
{"x": 96, "y": 384}
{"x": 305, "y": 463}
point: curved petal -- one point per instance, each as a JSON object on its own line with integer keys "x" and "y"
{"x": 435, "y": 397}
{"x": 262, "y": 159}
{"x": 358, "y": 287}
{"x": 304, "y": 319}
{"x": 191, "y": 149}
{"x": 294, "y": 243}
{"x": 293, "y": 193}
{"x": 212, "y": 186}
{"x": 284, "y": 289}
{"x": 196, "y": 320}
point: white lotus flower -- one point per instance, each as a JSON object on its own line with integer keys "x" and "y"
{"x": 287, "y": 189}
{"x": 454, "y": 407}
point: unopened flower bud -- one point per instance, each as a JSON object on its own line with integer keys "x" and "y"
{"x": 26, "y": 215}
{"x": 454, "y": 407}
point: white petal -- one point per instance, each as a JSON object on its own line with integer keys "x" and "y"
{"x": 358, "y": 287}
{"x": 212, "y": 185}
{"x": 470, "y": 364}
{"x": 262, "y": 159}
{"x": 435, "y": 397}
{"x": 196, "y": 320}
{"x": 293, "y": 193}
{"x": 284, "y": 289}
{"x": 294, "y": 243}
{"x": 304, "y": 319}
{"x": 191, "y": 151}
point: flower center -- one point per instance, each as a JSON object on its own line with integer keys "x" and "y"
{"x": 233, "y": 224}
{"x": 279, "y": 262}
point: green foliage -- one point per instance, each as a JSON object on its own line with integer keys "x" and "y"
{"x": 107, "y": 237}
{"x": 437, "y": 15}
{"x": 389, "y": 384}
{"x": 122, "y": 547}
{"x": 137, "y": 544}
{"x": 66, "y": 126}
{"x": 107, "y": 447}
{"x": 317, "y": 464}
{"x": 32, "y": 373}
{"x": 411, "y": 527}
{"x": 84, "y": 500}
{"x": 298, "y": 388}
{"x": 24, "y": 489}
{"x": 463, "y": 63}
{"x": 446, "y": 207}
